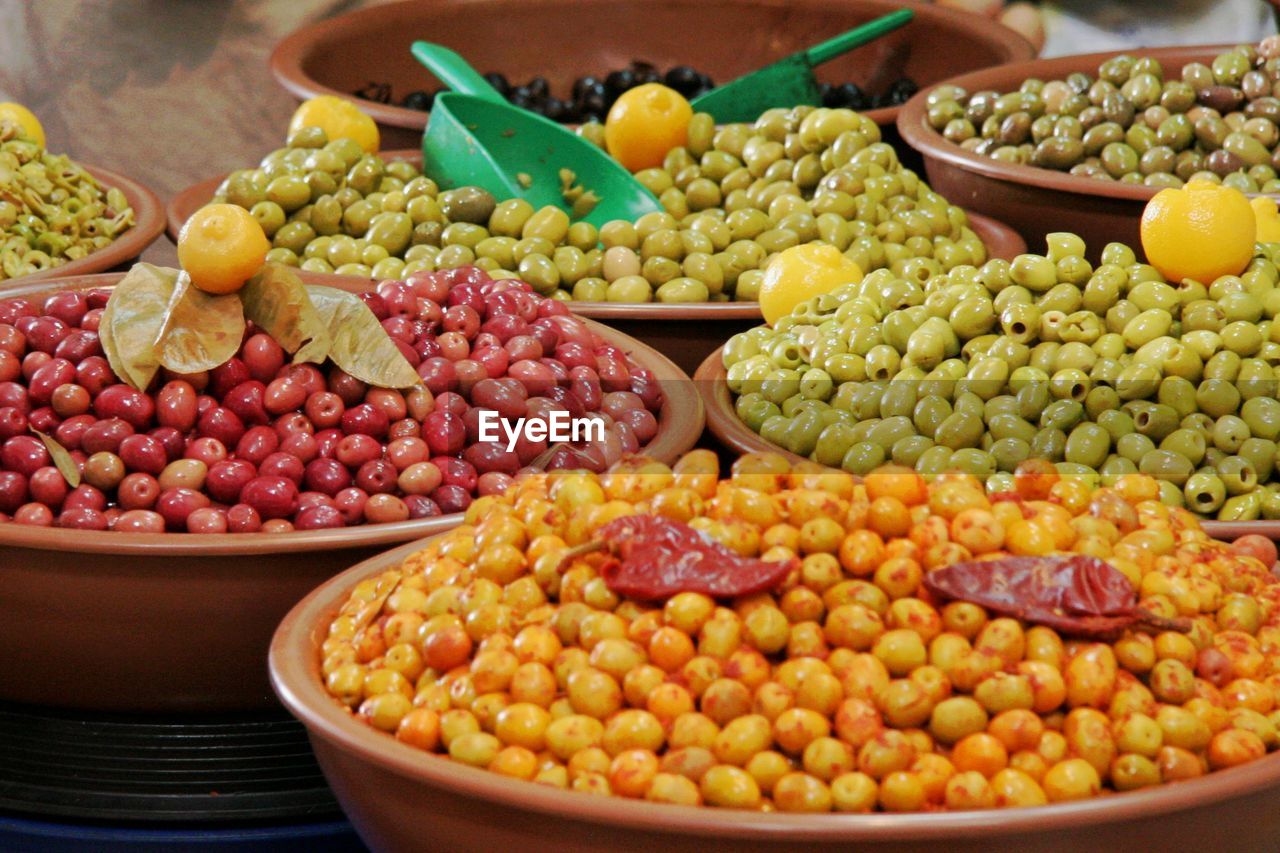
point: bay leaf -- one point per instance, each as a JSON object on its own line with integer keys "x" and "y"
{"x": 277, "y": 301}
{"x": 358, "y": 343}
{"x": 201, "y": 330}
{"x": 133, "y": 320}
{"x": 61, "y": 458}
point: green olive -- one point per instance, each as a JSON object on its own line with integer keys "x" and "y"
{"x": 1205, "y": 492}
{"x": 1166, "y": 465}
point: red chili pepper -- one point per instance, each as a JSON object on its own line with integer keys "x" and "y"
{"x": 1076, "y": 594}
{"x": 654, "y": 558}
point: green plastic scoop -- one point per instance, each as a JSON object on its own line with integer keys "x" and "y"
{"x": 790, "y": 82}
{"x": 476, "y": 138}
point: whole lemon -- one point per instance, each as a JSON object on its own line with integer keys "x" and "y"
{"x": 644, "y": 124}
{"x": 221, "y": 246}
{"x": 800, "y": 273}
{"x": 1201, "y": 231}
{"x": 338, "y": 118}
{"x": 23, "y": 118}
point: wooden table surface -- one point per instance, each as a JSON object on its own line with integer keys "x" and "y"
{"x": 169, "y": 92}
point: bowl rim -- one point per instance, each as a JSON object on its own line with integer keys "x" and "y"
{"x": 151, "y": 217}
{"x": 287, "y": 58}
{"x": 915, "y": 130}
{"x": 294, "y": 667}
{"x": 729, "y": 430}
{"x": 682, "y": 414}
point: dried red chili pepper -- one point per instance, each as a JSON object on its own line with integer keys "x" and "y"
{"x": 652, "y": 557}
{"x": 1078, "y": 594}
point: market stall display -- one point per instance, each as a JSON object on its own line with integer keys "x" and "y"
{"x": 978, "y": 551}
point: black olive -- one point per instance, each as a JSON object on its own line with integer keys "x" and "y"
{"x": 499, "y": 81}
{"x": 851, "y": 96}
{"x": 684, "y": 80}
{"x": 902, "y": 90}
{"x": 582, "y": 84}
{"x": 830, "y": 95}
{"x": 645, "y": 72}
{"x": 555, "y": 109}
{"x": 593, "y": 100}
{"x": 419, "y": 100}
{"x": 538, "y": 87}
{"x": 618, "y": 82}
{"x": 521, "y": 98}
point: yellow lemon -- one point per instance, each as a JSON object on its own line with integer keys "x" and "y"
{"x": 338, "y": 118}
{"x": 1201, "y": 231}
{"x": 644, "y": 124}
{"x": 1264, "y": 208}
{"x": 800, "y": 273}
{"x": 23, "y": 118}
{"x": 221, "y": 246}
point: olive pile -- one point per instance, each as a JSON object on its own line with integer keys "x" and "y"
{"x": 1217, "y": 122}
{"x": 848, "y": 688}
{"x": 51, "y": 210}
{"x": 592, "y": 96}
{"x": 733, "y": 197}
{"x": 1104, "y": 371}
{"x": 327, "y": 206}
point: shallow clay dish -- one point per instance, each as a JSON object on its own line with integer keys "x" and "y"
{"x": 1037, "y": 201}
{"x": 562, "y": 40}
{"x": 397, "y": 796}
{"x": 178, "y": 621}
{"x": 723, "y": 422}
{"x": 149, "y": 223}
{"x": 683, "y": 333}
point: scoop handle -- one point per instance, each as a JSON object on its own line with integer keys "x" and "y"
{"x": 454, "y": 71}
{"x": 856, "y": 37}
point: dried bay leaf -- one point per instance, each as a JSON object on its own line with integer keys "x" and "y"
{"x": 358, "y": 343}
{"x": 202, "y": 330}
{"x": 277, "y": 301}
{"x": 61, "y": 459}
{"x": 133, "y": 321}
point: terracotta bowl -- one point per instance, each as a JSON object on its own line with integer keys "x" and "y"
{"x": 1037, "y": 201}
{"x": 397, "y": 796}
{"x": 562, "y": 40}
{"x": 149, "y": 223}
{"x": 179, "y": 621}
{"x": 723, "y": 422}
{"x": 683, "y": 333}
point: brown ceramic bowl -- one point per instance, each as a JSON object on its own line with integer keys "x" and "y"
{"x": 723, "y": 422}
{"x": 683, "y": 333}
{"x": 397, "y": 796}
{"x": 1037, "y": 201}
{"x": 149, "y": 223}
{"x": 178, "y": 621}
{"x": 562, "y": 40}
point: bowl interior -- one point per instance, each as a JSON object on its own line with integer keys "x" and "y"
{"x": 916, "y": 131}
{"x": 724, "y": 423}
{"x": 680, "y": 422}
{"x": 544, "y": 813}
{"x": 149, "y": 223}
{"x": 562, "y": 40}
